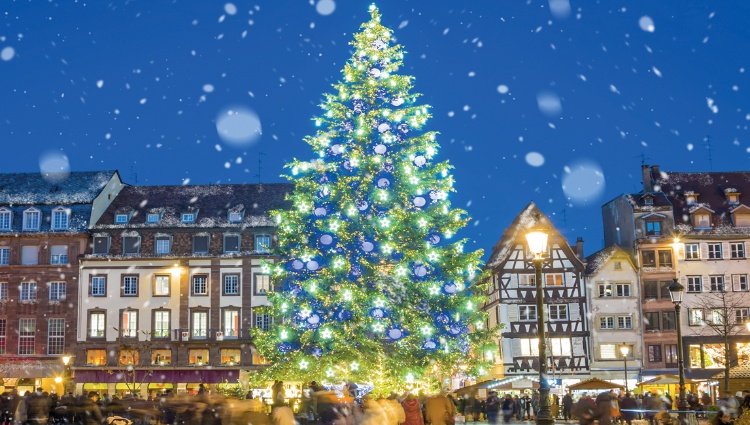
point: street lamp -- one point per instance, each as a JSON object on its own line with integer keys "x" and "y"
{"x": 66, "y": 374}
{"x": 537, "y": 242}
{"x": 675, "y": 292}
{"x": 625, "y": 350}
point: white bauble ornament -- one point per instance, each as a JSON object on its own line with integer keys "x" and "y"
{"x": 337, "y": 149}
{"x": 362, "y": 205}
{"x": 397, "y": 101}
{"x": 384, "y": 183}
{"x": 375, "y": 73}
{"x": 313, "y": 265}
{"x": 395, "y": 333}
{"x": 420, "y": 271}
{"x": 314, "y": 319}
{"x": 420, "y": 160}
{"x": 384, "y": 127}
{"x": 379, "y": 44}
{"x": 367, "y": 246}
{"x": 297, "y": 265}
{"x": 326, "y": 239}
{"x": 320, "y": 212}
{"x": 419, "y": 201}
{"x": 380, "y": 149}
{"x": 434, "y": 239}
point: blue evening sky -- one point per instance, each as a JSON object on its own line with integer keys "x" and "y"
{"x": 555, "y": 101}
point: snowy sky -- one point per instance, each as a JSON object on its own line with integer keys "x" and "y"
{"x": 555, "y": 101}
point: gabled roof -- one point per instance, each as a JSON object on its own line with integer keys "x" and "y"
{"x": 739, "y": 207}
{"x": 597, "y": 260}
{"x": 213, "y": 201}
{"x": 80, "y": 187}
{"x": 530, "y": 218}
{"x": 659, "y": 200}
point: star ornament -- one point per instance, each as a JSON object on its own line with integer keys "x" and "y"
{"x": 354, "y": 366}
{"x": 303, "y": 364}
{"x": 378, "y": 327}
{"x": 379, "y": 303}
{"x": 330, "y": 373}
{"x": 326, "y": 334}
{"x": 434, "y": 290}
{"x": 426, "y": 330}
{"x": 433, "y": 256}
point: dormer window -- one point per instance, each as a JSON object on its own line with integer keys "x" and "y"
{"x": 6, "y": 218}
{"x": 188, "y": 217}
{"x": 702, "y": 220}
{"x": 648, "y": 201}
{"x": 691, "y": 198}
{"x": 653, "y": 228}
{"x": 153, "y": 218}
{"x": 235, "y": 217}
{"x": 733, "y": 198}
{"x": 60, "y": 218}
{"x": 31, "y": 219}
{"x": 741, "y": 216}
{"x": 121, "y": 218}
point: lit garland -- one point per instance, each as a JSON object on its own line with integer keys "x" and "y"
{"x": 369, "y": 281}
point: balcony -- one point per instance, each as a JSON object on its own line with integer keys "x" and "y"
{"x": 211, "y": 334}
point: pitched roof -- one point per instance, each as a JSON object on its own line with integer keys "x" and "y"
{"x": 211, "y": 203}
{"x": 530, "y": 218}
{"x": 79, "y": 187}
{"x": 737, "y": 372}
{"x": 597, "y": 260}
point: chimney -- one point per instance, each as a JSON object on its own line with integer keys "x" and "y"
{"x": 579, "y": 248}
{"x": 648, "y": 184}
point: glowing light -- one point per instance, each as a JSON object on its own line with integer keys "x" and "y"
{"x": 470, "y": 306}
{"x": 326, "y": 334}
{"x": 422, "y": 222}
{"x": 426, "y": 330}
{"x": 434, "y": 290}
{"x": 338, "y": 263}
{"x": 409, "y": 378}
{"x": 383, "y": 195}
{"x": 305, "y": 313}
{"x": 401, "y": 271}
{"x": 378, "y": 327}
{"x": 413, "y": 180}
{"x": 387, "y": 249}
{"x": 330, "y": 373}
{"x": 433, "y": 256}
{"x": 265, "y": 269}
{"x": 284, "y": 307}
{"x": 379, "y": 303}
{"x": 303, "y": 364}
{"x": 347, "y": 295}
{"x": 354, "y": 366}
{"x": 334, "y": 226}
{"x": 284, "y": 335}
{"x": 460, "y": 248}
{"x": 385, "y": 222}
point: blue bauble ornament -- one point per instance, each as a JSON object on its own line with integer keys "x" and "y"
{"x": 314, "y": 321}
{"x": 326, "y": 240}
{"x": 420, "y": 271}
{"x": 343, "y": 315}
{"x": 355, "y": 272}
{"x": 317, "y": 352}
{"x": 395, "y": 333}
{"x": 367, "y": 246}
{"x": 450, "y": 288}
{"x": 430, "y": 345}
{"x": 442, "y": 318}
{"x": 454, "y": 329}
{"x": 378, "y": 313}
{"x": 284, "y": 347}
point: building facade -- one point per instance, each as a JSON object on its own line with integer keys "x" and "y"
{"x": 614, "y": 304}
{"x": 171, "y": 285}
{"x": 44, "y": 221}
{"x": 513, "y": 302}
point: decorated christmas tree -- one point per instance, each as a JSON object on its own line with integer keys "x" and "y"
{"x": 373, "y": 284}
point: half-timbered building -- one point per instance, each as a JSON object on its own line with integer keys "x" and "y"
{"x": 512, "y": 302}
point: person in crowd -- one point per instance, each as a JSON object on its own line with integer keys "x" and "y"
{"x": 567, "y": 405}
{"x": 706, "y": 400}
{"x": 492, "y": 405}
{"x": 604, "y": 408}
{"x": 722, "y": 418}
{"x": 652, "y": 406}
{"x": 412, "y": 410}
{"x": 583, "y": 409}
{"x": 39, "y": 407}
{"x": 508, "y": 408}
{"x": 471, "y": 408}
{"x": 534, "y": 403}
{"x": 628, "y": 405}
{"x": 91, "y": 411}
{"x": 17, "y": 408}
{"x": 517, "y": 408}
{"x": 439, "y": 409}
{"x": 526, "y": 405}
{"x": 373, "y": 412}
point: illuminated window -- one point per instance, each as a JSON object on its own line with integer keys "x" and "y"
{"x": 200, "y": 324}
{"x": 161, "y": 357}
{"x": 161, "y": 323}
{"x": 26, "y": 336}
{"x": 230, "y": 356}
{"x": 560, "y": 347}
{"x": 654, "y": 353}
{"x": 553, "y": 279}
{"x": 128, "y": 357}
{"x": 198, "y": 357}
{"x": 96, "y": 357}
{"x": 605, "y": 290}
{"x": 129, "y": 323}
{"x": 608, "y": 351}
{"x": 97, "y": 324}
{"x": 262, "y": 284}
{"x": 529, "y": 347}
{"x": 161, "y": 285}
{"x": 695, "y": 317}
{"x": 527, "y": 280}
{"x": 231, "y": 326}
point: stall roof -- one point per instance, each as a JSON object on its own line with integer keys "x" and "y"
{"x": 738, "y": 372}
{"x": 594, "y": 384}
{"x": 499, "y": 384}
{"x": 666, "y": 379}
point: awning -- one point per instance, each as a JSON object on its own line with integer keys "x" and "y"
{"x": 206, "y": 376}
{"x": 28, "y": 368}
{"x": 159, "y": 386}
{"x": 9, "y": 382}
{"x": 594, "y": 384}
{"x": 94, "y": 386}
{"x": 666, "y": 379}
{"x": 513, "y": 383}
{"x": 128, "y": 387}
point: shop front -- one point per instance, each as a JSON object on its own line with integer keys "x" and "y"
{"x": 152, "y": 382}
{"x": 28, "y": 375}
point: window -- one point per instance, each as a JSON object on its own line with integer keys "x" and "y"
{"x": 163, "y": 245}
{"x": 162, "y": 357}
{"x": 97, "y": 324}
{"x": 98, "y": 286}
{"x": 263, "y": 321}
{"x": 553, "y": 279}
{"x": 624, "y": 322}
{"x": 161, "y": 323}
{"x": 200, "y": 244}
{"x": 3, "y": 291}
{"x": 26, "y": 336}
{"x": 262, "y": 243}
{"x": 717, "y": 283}
{"x": 59, "y": 219}
{"x": 737, "y": 249}
{"x": 692, "y": 251}
{"x": 622, "y": 289}
{"x": 131, "y": 245}
{"x": 231, "y": 284}
{"x": 743, "y": 353}
{"x": 231, "y": 243}
{"x": 527, "y": 280}
{"x": 129, "y": 323}
{"x": 607, "y": 322}
{"x": 231, "y": 325}
{"x": 57, "y": 291}
{"x": 29, "y": 255}
{"x": 695, "y": 317}
{"x": 651, "y": 321}
{"x": 716, "y": 316}
{"x": 121, "y": 218}
{"x": 31, "y": 219}
{"x": 96, "y": 357}
{"x": 200, "y": 285}
{"x": 739, "y": 282}
{"x": 648, "y": 201}
{"x": 129, "y": 286}
{"x": 608, "y": 351}
{"x": 653, "y": 228}
{"x": 235, "y": 217}
{"x": 128, "y": 357}
{"x": 230, "y": 356}
{"x": 5, "y": 219}
{"x": 649, "y": 258}
{"x": 529, "y": 347}
{"x": 4, "y": 256}
{"x": 527, "y": 313}
{"x": 670, "y": 354}
{"x": 741, "y": 315}
{"x": 668, "y": 322}
{"x": 153, "y": 218}
{"x": 560, "y": 347}
{"x": 714, "y": 251}
{"x": 200, "y": 324}
{"x": 713, "y": 356}
{"x": 101, "y": 245}
{"x": 28, "y": 291}
{"x": 702, "y": 221}
{"x": 3, "y": 336}
{"x": 654, "y": 353}
{"x": 161, "y": 285}
{"x": 650, "y": 289}
{"x": 605, "y": 290}
{"x": 617, "y": 265}
{"x": 558, "y": 312}
{"x": 665, "y": 258}
{"x": 55, "y": 336}
{"x": 198, "y": 357}
{"x": 694, "y": 284}
{"x": 262, "y": 284}
{"x": 58, "y": 254}
{"x": 188, "y": 218}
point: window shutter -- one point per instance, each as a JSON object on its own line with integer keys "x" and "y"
{"x": 30, "y": 255}
{"x": 515, "y": 345}
{"x": 705, "y": 283}
{"x": 703, "y": 250}
{"x": 101, "y": 245}
{"x": 58, "y": 250}
{"x": 512, "y": 313}
{"x": 726, "y": 250}
{"x": 131, "y": 245}
{"x": 683, "y": 282}
{"x": 736, "y": 283}
{"x": 231, "y": 243}
{"x": 681, "y": 251}
{"x": 578, "y": 346}
{"x": 574, "y": 311}
{"x": 200, "y": 244}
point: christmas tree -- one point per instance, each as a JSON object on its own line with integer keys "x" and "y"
{"x": 372, "y": 284}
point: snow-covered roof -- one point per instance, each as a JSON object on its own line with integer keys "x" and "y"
{"x": 597, "y": 260}
{"x": 80, "y": 187}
